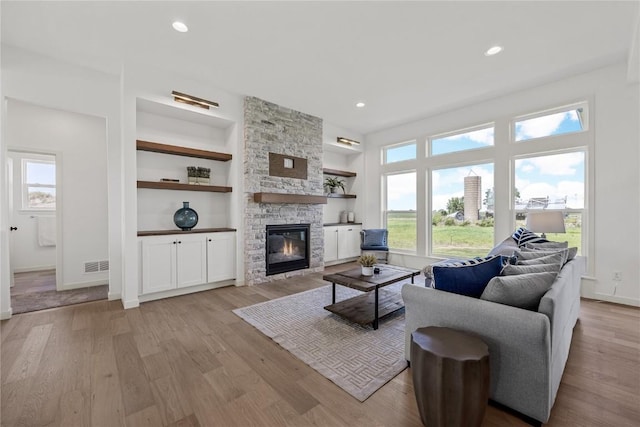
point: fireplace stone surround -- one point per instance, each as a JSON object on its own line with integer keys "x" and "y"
{"x": 270, "y": 128}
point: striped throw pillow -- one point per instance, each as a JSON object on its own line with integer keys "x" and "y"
{"x": 522, "y": 236}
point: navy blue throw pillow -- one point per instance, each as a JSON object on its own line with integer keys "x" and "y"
{"x": 467, "y": 277}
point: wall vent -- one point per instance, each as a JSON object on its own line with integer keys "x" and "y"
{"x": 96, "y": 266}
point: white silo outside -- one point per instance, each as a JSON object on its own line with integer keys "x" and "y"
{"x": 472, "y": 196}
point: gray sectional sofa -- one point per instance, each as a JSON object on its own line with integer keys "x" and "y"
{"x": 528, "y": 349}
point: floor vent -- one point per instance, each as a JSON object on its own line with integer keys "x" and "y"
{"x": 96, "y": 266}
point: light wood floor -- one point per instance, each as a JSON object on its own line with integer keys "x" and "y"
{"x": 189, "y": 361}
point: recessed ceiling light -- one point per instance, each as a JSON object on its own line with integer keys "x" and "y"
{"x": 180, "y": 27}
{"x": 360, "y": 104}
{"x": 493, "y": 50}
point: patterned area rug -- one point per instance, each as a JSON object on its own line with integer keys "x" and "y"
{"x": 356, "y": 358}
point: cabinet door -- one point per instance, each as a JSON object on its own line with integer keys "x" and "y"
{"x": 221, "y": 256}
{"x": 191, "y": 259}
{"x": 330, "y": 243}
{"x": 348, "y": 242}
{"x": 158, "y": 264}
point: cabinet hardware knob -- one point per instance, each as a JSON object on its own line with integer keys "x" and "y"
{"x": 13, "y": 228}
{"x": 174, "y": 242}
{"x": 209, "y": 239}
{"x": 179, "y": 241}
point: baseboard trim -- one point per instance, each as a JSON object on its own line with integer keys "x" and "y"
{"x": 34, "y": 269}
{"x": 185, "y": 291}
{"x": 6, "y": 314}
{"x": 112, "y": 296}
{"x": 134, "y": 303}
{"x": 617, "y": 299}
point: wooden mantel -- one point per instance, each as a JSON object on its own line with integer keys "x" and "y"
{"x": 289, "y": 198}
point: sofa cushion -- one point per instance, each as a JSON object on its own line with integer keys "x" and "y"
{"x": 511, "y": 270}
{"x": 554, "y": 258}
{"x": 523, "y": 236}
{"x": 467, "y": 277}
{"x": 522, "y": 290}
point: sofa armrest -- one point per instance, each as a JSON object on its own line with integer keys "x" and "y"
{"x": 519, "y": 343}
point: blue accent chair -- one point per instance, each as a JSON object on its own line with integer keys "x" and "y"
{"x": 374, "y": 240}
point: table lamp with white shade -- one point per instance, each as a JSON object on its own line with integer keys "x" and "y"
{"x": 545, "y": 222}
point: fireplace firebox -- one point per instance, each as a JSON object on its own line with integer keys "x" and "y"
{"x": 287, "y": 248}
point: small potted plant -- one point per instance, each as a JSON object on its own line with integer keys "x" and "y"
{"x": 332, "y": 183}
{"x": 367, "y": 261}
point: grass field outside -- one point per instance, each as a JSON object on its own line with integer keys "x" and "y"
{"x": 463, "y": 241}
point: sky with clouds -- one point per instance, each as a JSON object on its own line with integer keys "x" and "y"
{"x": 554, "y": 176}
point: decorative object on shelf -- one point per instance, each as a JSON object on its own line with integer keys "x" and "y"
{"x": 193, "y": 100}
{"x": 185, "y": 217}
{"x": 367, "y": 262}
{"x": 347, "y": 141}
{"x": 203, "y": 175}
{"x": 332, "y": 183}
{"x": 343, "y": 217}
{"x": 351, "y": 217}
{"x": 192, "y": 174}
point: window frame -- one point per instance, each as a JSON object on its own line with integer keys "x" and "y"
{"x": 548, "y": 112}
{"x": 25, "y": 185}
{"x": 399, "y": 145}
{"x": 385, "y": 211}
{"x": 462, "y": 131}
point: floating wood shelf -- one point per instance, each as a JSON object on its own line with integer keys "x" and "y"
{"x": 341, "y": 196}
{"x": 337, "y": 172}
{"x": 181, "y": 151}
{"x": 160, "y": 185}
{"x": 198, "y": 230}
{"x": 288, "y": 198}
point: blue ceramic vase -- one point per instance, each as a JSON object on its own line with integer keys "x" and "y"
{"x": 185, "y": 217}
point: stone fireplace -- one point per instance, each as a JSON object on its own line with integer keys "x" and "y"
{"x": 269, "y": 130}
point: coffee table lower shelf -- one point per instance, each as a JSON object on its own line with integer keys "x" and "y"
{"x": 361, "y": 309}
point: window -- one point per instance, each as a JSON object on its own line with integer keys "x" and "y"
{"x": 462, "y": 211}
{"x": 567, "y": 120}
{"x": 38, "y": 184}
{"x": 556, "y": 182}
{"x": 400, "y": 213}
{"x": 469, "y": 140}
{"x": 400, "y": 152}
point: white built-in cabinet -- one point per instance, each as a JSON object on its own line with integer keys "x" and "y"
{"x": 221, "y": 256}
{"x": 176, "y": 261}
{"x": 341, "y": 242}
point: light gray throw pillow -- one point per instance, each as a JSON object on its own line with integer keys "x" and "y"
{"x": 522, "y": 290}
{"x": 547, "y": 245}
{"x": 506, "y": 248}
{"x": 511, "y": 270}
{"x": 537, "y": 253}
{"x": 554, "y": 258}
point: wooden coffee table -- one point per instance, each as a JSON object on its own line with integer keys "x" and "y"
{"x": 370, "y": 306}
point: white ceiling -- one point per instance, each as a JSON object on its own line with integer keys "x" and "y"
{"x": 406, "y": 60}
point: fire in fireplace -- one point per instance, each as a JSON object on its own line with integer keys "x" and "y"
{"x": 287, "y": 248}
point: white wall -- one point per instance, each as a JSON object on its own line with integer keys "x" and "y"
{"x": 613, "y": 198}
{"x": 80, "y": 141}
{"x": 26, "y": 252}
